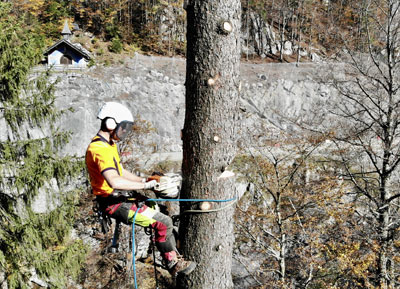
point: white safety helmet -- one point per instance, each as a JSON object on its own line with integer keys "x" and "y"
{"x": 118, "y": 119}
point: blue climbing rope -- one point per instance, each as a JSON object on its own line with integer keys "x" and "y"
{"x": 133, "y": 247}
{"x": 164, "y": 200}
{"x": 190, "y": 200}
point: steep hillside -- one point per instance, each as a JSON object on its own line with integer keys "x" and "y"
{"x": 284, "y": 31}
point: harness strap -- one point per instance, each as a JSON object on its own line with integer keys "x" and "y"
{"x": 104, "y": 218}
{"x": 154, "y": 256}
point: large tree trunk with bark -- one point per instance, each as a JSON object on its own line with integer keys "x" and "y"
{"x": 209, "y": 139}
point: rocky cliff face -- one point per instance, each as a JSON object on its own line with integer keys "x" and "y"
{"x": 153, "y": 88}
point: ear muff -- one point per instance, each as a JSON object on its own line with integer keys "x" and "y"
{"x": 111, "y": 123}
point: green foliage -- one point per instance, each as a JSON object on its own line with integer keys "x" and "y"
{"x": 31, "y": 241}
{"x": 19, "y": 50}
{"x": 134, "y": 22}
{"x": 40, "y": 241}
{"x": 33, "y": 164}
{"x": 116, "y": 45}
{"x": 47, "y": 16}
{"x": 92, "y": 62}
{"x": 112, "y": 31}
{"x": 52, "y": 16}
{"x": 37, "y": 94}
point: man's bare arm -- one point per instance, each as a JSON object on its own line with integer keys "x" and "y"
{"x": 118, "y": 182}
{"x": 127, "y": 174}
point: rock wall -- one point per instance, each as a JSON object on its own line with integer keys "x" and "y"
{"x": 153, "y": 88}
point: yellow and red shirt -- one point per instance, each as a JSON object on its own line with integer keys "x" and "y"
{"x": 101, "y": 156}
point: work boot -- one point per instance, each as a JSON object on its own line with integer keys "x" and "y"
{"x": 180, "y": 266}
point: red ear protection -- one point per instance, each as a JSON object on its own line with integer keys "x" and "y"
{"x": 111, "y": 123}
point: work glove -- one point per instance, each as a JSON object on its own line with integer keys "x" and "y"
{"x": 150, "y": 184}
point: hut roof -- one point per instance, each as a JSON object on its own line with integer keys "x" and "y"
{"x": 74, "y": 46}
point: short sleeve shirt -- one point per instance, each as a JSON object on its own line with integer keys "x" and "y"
{"x": 101, "y": 156}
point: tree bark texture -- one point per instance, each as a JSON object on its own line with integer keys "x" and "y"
{"x": 209, "y": 139}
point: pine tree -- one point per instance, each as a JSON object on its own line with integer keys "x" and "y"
{"x": 32, "y": 243}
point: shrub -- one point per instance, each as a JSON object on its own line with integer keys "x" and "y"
{"x": 116, "y": 45}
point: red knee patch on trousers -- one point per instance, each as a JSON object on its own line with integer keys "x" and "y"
{"x": 160, "y": 231}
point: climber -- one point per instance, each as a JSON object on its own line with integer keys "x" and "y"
{"x": 110, "y": 182}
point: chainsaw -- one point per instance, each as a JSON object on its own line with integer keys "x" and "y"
{"x": 168, "y": 185}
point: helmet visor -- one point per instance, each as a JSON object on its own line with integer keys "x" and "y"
{"x": 123, "y": 129}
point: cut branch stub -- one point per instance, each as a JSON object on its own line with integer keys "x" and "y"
{"x": 225, "y": 27}
{"x": 213, "y": 81}
{"x": 204, "y": 206}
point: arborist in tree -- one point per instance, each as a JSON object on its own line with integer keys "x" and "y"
{"x": 110, "y": 183}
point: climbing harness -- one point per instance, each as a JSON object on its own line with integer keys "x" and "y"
{"x": 104, "y": 219}
{"x": 114, "y": 244}
{"x": 231, "y": 201}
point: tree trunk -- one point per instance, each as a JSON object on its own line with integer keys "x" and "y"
{"x": 383, "y": 250}
{"x": 209, "y": 139}
{"x": 383, "y": 225}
